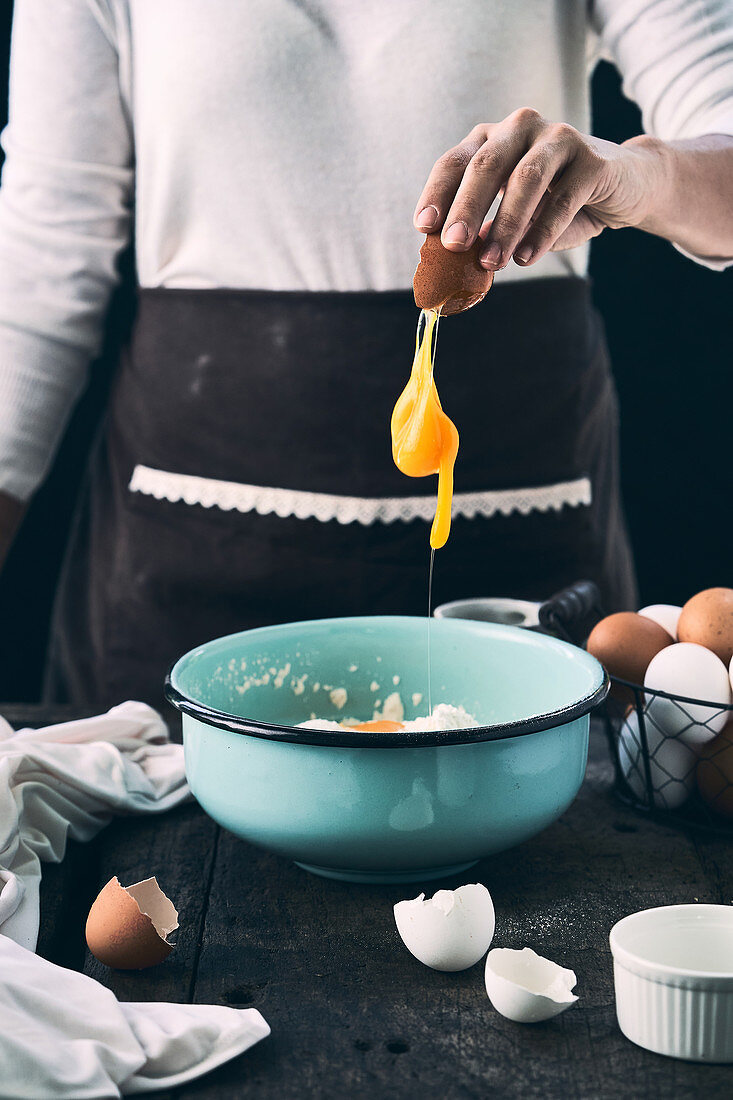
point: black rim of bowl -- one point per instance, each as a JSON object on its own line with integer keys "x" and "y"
{"x": 400, "y": 739}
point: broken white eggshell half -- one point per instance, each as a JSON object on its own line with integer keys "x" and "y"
{"x": 128, "y": 926}
{"x": 450, "y": 931}
{"x": 527, "y": 988}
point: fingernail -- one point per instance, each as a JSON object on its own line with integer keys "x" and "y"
{"x": 523, "y": 254}
{"x": 492, "y": 255}
{"x": 427, "y": 217}
{"x": 456, "y": 233}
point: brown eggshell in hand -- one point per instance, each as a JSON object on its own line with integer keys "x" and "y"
{"x": 625, "y": 643}
{"x": 707, "y": 619}
{"x": 450, "y": 281}
{"x": 127, "y": 927}
{"x": 715, "y": 772}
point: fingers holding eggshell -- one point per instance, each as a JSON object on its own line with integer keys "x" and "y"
{"x": 527, "y": 988}
{"x": 449, "y": 281}
{"x": 450, "y": 931}
{"x": 444, "y": 180}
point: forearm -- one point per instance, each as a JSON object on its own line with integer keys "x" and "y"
{"x": 11, "y": 513}
{"x": 692, "y": 202}
{"x": 65, "y": 215}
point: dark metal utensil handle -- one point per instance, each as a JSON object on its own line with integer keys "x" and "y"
{"x": 573, "y": 612}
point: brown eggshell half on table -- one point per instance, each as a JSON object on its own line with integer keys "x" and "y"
{"x": 707, "y": 619}
{"x": 450, "y": 281}
{"x": 128, "y": 926}
{"x": 625, "y": 643}
{"x": 715, "y": 772}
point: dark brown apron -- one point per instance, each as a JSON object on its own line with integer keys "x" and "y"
{"x": 294, "y": 391}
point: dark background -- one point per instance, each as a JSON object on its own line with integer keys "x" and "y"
{"x": 668, "y": 323}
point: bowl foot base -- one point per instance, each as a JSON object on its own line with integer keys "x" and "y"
{"x": 376, "y": 877}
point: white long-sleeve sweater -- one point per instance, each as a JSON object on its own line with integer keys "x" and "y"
{"x": 278, "y": 144}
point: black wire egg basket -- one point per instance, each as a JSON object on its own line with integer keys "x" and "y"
{"x": 670, "y": 759}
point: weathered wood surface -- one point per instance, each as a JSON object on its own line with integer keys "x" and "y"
{"x": 352, "y": 1013}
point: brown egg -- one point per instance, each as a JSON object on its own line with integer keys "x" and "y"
{"x": 128, "y": 926}
{"x": 715, "y": 772}
{"x": 708, "y": 620}
{"x": 450, "y": 281}
{"x": 625, "y": 643}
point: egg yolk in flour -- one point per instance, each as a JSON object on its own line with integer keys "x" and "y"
{"x": 424, "y": 439}
{"x": 377, "y": 725}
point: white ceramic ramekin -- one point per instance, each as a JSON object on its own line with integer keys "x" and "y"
{"x": 673, "y": 972}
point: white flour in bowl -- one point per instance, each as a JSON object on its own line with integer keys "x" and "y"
{"x": 444, "y": 717}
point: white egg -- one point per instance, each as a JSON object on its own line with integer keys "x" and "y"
{"x": 730, "y": 673}
{"x": 667, "y": 615}
{"x": 525, "y": 987}
{"x": 671, "y": 763}
{"x": 691, "y": 670}
{"x": 450, "y": 931}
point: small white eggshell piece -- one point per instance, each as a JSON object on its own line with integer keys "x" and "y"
{"x": 667, "y": 615}
{"x": 450, "y": 931}
{"x": 686, "y": 668}
{"x": 672, "y": 763}
{"x": 527, "y": 988}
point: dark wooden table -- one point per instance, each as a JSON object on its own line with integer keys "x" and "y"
{"x": 353, "y": 1014}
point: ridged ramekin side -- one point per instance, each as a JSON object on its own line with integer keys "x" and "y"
{"x": 695, "y": 1024}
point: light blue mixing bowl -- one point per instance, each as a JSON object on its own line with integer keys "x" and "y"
{"x": 385, "y": 807}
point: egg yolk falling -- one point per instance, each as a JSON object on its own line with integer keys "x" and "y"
{"x": 424, "y": 439}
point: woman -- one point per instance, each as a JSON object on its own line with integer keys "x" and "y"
{"x": 270, "y": 155}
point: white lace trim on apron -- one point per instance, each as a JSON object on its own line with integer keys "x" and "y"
{"x": 233, "y": 495}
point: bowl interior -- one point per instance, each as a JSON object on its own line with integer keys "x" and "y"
{"x": 339, "y": 668}
{"x": 697, "y": 938}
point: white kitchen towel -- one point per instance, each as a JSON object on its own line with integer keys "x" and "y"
{"x": 61, "y": 1033}
{"x": 63, "y": 1036}
{"x": 70, "y": 780}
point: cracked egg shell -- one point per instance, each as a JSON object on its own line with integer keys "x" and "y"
{"x": 527, "y": 988}
{"x": 450, "y": 931}
{"x": 450, "y": 281}
{"x": 128, "y": 926}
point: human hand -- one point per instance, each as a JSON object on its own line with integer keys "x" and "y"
{"x": 558, "y": 188}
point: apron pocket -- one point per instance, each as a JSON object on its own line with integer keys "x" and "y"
{"x": 280, "y": 555}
